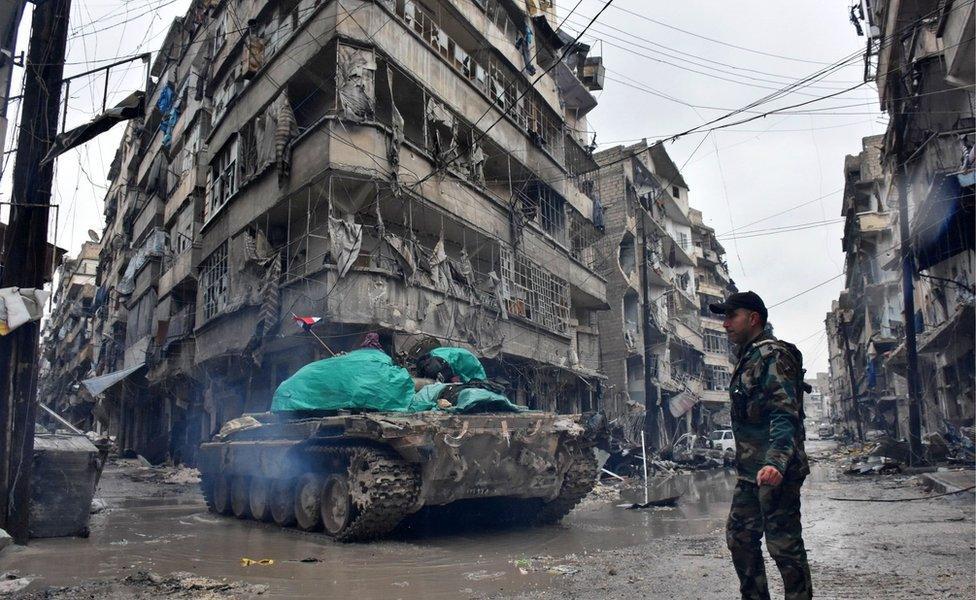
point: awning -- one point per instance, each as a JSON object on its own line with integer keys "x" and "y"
{"x": 97, "y": 385}
{"x": 131, "y": 107}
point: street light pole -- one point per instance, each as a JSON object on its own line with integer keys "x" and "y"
{"x": 24, "y": 256}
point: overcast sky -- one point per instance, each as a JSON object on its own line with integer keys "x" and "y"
{"x": 737, "y": 175}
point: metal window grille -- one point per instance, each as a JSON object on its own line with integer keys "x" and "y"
{"x": 215, "y": 285}
{"x": 552, "y": 211}
{"x": 583, "y": 237}
{"x": 536, "y": 294}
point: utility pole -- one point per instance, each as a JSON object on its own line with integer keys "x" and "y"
{"x": 908, "y": 299}
{"x": 24, "y": 256}
{"x": 842, "y": 327}
{"x": 907, "y": 284}
{"x": 651, "y": 400}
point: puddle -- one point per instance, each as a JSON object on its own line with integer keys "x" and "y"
{"x": 177, "y": 534}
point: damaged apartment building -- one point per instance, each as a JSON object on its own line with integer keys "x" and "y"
{"x": 925, "y": 79}
{"x": 648, "y": 220}
{"x": 405, "y": 167}
{"x": 67, "y": 341}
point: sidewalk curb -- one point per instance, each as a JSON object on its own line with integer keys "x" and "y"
{"x": 948, "y": 482}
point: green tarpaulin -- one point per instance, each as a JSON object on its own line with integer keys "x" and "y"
{"x": 364, "y": 379}
{"x": 469, "y": 400}
{"x": 464, "y": 364}
{"x": 367, "y": 379}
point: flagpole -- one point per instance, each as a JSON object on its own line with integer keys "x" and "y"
{"x": 308, "y": 328}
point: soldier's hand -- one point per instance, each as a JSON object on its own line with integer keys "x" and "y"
{"x": 769, "y": 475}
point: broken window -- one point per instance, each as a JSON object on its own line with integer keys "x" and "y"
{"x": 410, "y": 101}
{"x": 355, "y": 80}
{"x": 222, "y": 181}
{"x": 632, "y": 314}
{"x": 716, "y": 342}
{"x": 635, "y": 379}
{"x": 717, "y": 378}
{"x": 181, "y": 234}
{"x": 536, "y": 294}
{"x": 552, "y": 210}
{"x": 247, "y": 151}
{"x": 628, "y": 254}
{"x": 441, "y": 128}
{"x": 219, "y": 35}
{"x": 214, "y": 279}
{"x": 288, "y": 16}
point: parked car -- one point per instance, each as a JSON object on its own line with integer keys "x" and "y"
{"x": 722, "y": 439}
{"x": 825, "y": 432}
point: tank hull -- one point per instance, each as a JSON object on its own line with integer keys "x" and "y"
{"x": 426, "y": 459}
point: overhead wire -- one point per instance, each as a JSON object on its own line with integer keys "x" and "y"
{"x": 716, "y": 41}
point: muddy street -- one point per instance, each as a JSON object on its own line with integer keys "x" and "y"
{"x": 165, "y": 527}
{"x": 159, "y": 524}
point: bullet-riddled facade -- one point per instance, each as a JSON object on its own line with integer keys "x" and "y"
{"x": 387, "y": 166}
{"x": 646, "y": 198}
{"x": 926, "y": 84}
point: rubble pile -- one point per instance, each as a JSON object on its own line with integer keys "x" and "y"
{"x": 889, "y": 455}
{"x": 146, "y": 585}
{"x": 142, "y": 471}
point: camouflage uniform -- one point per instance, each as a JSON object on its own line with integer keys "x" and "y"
{"x": 768, "y": 427}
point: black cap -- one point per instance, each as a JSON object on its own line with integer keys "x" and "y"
{"x": 747, "y": 300}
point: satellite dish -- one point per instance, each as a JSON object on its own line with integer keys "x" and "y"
{"x": 93, "y": 235}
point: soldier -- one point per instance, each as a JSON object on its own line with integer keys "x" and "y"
{"x": 767, "y": 421}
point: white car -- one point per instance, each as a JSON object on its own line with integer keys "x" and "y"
{"x": 722, "y": 439}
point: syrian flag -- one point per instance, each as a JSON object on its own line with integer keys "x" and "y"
{"x": 306, "y": 323}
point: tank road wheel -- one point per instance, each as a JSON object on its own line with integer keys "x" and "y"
{"x": 283, "y": 502}
{"x": 239, "y": 502}
{"x": 308, "y": 502}
{"x": 259, "y": 496}
{"x": 221, "y": 495}
{"x": 337, "y": 509}
{"x": 382, "y": 490}
{"x": 579, "y": 480}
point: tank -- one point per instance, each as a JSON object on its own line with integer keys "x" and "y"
{"x": 356, "y": 476}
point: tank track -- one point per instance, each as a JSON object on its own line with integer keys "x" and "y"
{"x": 384, "y": 489}
{"x": 387, "y": 491}
{"x": 579, "y": 481}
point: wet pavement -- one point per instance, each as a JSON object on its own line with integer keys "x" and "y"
{"x": 599, "y": 550}
{"x": 174, "y": 532}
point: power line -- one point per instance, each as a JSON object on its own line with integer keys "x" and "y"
{"x": 713, "y": 40}
{"x": 629, "y": 45}
{"x": 797, "y": 295}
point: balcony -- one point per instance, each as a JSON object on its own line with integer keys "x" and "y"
{"x": 957, "y": 31}
{"x": 192, "y": 180}
{"x": 705, "y": 287}
{"x": 684, "y": 330}
{"x": 873, "y": 222}
{"x": 181, "y": 271}
{"x": 146, "y": 278}
{"x": 149, "y": 217}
